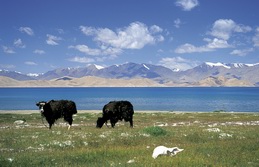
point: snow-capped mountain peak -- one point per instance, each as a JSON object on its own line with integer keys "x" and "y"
{"x": 98, "y": 67}
{"x": 251, "y": 65}
{"x": 146, "y": 66}
{"x": 34, "y": 74}
{"x": 176, "y": 70}
{"x": 217, "y": 65}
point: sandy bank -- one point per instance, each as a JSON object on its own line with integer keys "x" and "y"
{"x": 99, "y": 111}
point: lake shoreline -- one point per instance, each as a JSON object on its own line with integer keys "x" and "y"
{"x": 136, "y": 111}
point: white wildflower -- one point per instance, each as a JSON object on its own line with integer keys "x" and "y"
{"x": 225, "y": 135}
{"x": 213, "y": 130}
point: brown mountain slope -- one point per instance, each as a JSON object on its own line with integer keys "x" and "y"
{"x": 222, "y": 81}
{"x": 88, "y": 81}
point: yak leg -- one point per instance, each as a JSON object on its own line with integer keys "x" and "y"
{"x": 69, "y": 120}
{"x": 113, "y": 121}
{"x": 106, "y": 124}
{"x": 131, "y": 123}
{"x": 51, "y": 122}
{"x": 113, "y": 124}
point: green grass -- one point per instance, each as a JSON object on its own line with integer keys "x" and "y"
{"x": 208, "y": 139}
{"x": 155, "y": 131}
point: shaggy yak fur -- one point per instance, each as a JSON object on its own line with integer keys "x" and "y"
{"x": 56, "y": 109}
{"x": 115, "y": 111}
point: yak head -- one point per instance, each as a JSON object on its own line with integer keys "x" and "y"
{"x": 100, "y": 121}
{"x": 41, "y": 105}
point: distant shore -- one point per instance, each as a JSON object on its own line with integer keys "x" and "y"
{"x": 79, "y": 111}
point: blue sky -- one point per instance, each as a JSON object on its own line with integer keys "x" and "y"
{"x": 37, "y": 36}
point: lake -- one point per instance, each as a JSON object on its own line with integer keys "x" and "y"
{"x": 236, "y": 99}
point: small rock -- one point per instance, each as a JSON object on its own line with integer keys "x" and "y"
{"x": 19, "y": 122}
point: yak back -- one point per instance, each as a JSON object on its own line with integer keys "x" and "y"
{"x": 126, "y": 106}
{"x": 58, "y": 108}
{"x": 118, "y": 108}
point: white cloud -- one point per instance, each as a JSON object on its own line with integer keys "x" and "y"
{"x": 38, "y": 51}
{"x": 223, "y": 28}
{"x": 82, "y": 59}
{"x": 26, "y": 30}
{"x": 256, "y": 38}
{"x": 30, "y": 63}
{"x": 211, "y": 46}
{"x": 60, "y": 31}
{"x": 187, "y": 5}
{"x": 18, "y": 43}
{"x": 242, "y": 52}
{"x": 177, "y": 23}
{"x": 189, "y": 48}
{"x": 155, "y": 29}
{"x": 217, "y": 44}
{"x": 88, "y": 30}
{"x": 111, "y": 43}
{"x": 102, "y": 51}
{"x": 86, "y": 50}
{"x": 177, "y": 63}
{"x": 8, "y": 50}
{"x": 135, "y": 36}
{"x": 52, "y": 40}
{"x": 7, "y": 66}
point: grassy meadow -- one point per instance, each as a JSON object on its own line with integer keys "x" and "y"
{"x": 208, "y": 139}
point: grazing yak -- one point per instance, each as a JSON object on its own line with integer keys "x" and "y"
{"x": 55, "y": 109}
{"x": 115, "y": 111}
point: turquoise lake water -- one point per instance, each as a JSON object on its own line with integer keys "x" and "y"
{"x": 165, "y": 99}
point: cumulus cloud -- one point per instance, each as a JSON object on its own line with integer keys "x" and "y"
{"x": 241, "y": 52}
{"x": 8, "y": 50}
{"x": 155, "y": 29}
{"x": 38, "y": 51}
{"x": 52, "y": 40}
{"x": 217, "y": 43}
{"x": 18, "y": 43}
{"x": 110, "y": 43}
{"x": 178, "y": 63}
{"x": 256, "y": 38}
{"x": 187, "y": 5}
{"x": 223, "y": 28}
{"x": 210, "y": 46}
{"x": 221, "y": 32}
{"x": 135, "y": 36}
{"x": 26, "y": 30}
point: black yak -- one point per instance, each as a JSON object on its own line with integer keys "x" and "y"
{"x": 55, "y": 109}
{"x": 115, "y": 111}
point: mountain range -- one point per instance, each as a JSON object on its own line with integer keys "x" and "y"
{"x": 206, "y": 74}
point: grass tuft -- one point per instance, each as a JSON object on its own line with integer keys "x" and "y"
{"x": 155, "y": 131}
